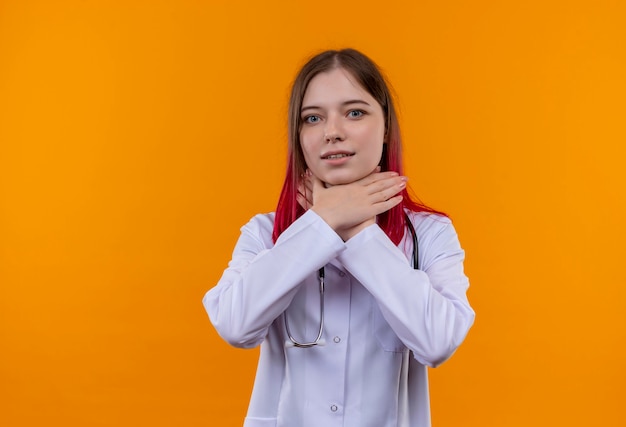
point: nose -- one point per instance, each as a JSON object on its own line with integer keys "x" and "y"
{"x": 333, "y": 131}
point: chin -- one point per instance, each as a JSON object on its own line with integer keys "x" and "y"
{"x": 336, "y": 181}
{"x": 341, "y": 180}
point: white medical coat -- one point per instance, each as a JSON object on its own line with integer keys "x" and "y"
{"x": 385, "y": 322}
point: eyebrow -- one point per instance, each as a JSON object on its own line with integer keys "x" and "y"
{"x": 343, "y": 104}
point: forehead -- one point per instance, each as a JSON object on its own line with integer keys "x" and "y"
{"x": 336, "y": 85}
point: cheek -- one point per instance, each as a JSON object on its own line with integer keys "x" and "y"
{"x": 372, "y": 131}
{"x": 307, "y": 146}
{"x": 372, "y": 139}
{"x": 381, "y": 132}
{"x": 310, "y": 138}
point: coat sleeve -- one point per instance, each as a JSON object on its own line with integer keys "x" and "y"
{"x": 262, "y": 278}
{"x": 428, "y": 308}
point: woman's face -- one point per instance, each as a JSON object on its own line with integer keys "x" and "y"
{"x": 343, "y": 128}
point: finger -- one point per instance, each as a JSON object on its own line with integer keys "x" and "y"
{"x": 377, "y": 176}
{"x": 304, "y": 197}
{"x": 316, "y": 183}
{"x": 308, "y": 195}
{"x": 302, "y": 201}
{"x": 305, "y": 187}
{"x": 308, "y": 185}
{"x": 384, "y": 206}
{"x": 387, "y": 187}
{"x": 389, "y": 193}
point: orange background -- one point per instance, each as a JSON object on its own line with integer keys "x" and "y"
{"x": 138, "y": 136}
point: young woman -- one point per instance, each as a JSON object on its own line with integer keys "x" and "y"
{"x": 351, "y": 288}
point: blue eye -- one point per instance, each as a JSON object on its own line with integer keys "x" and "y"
{"x": 355, "y": 113}
{"x": 312, "y": 119}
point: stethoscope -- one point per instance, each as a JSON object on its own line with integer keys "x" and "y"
{"x": 320, "y": 274}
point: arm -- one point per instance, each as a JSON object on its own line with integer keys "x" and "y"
{"x": 262, "y": 278}
{"x": 428, "y": 308}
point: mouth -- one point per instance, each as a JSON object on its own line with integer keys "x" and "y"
{"x": 333, "y": 156}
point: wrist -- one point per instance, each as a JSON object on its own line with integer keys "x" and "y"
{"x": 350, "y": 232}
{"x": 327, "y": 216}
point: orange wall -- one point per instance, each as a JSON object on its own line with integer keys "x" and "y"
{"x": 136, "y": 137}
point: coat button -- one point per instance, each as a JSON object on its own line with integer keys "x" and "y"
{"x": 342, "y": 274}
{"x": 333, "y": 408}
{"x": 337, "y": 339}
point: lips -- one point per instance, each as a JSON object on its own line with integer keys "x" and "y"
{"x": 336, "y": 155}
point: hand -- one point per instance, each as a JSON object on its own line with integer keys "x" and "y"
{"x": 305, "y": 193}
{"x": 349, "y": 208}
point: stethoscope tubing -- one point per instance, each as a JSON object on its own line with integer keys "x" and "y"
{"x": 320, "y": 274}
{"x": 296, "y": 343}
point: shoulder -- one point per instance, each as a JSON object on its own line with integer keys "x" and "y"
{"x": 260, "y": 227}
{"x": 260, "y": 224}
{"x": 429, "y": 223}
{"x": 434, "y": 230}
